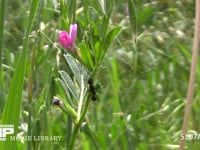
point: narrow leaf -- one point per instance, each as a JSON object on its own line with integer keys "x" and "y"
{"x": 68, "y": 81}
{"x": 74, "y": 67}
{"x": 64, "y": 87}
{"x": 13, "y": 103}
{"x": 108, "y": 40}
{"x": 132, "y": 18}
{"x": 65, "y": 19}
{"x": 110, "y": 36}
{"x": 2, "y": 6}
{"x": 86, "y": 56}
{"x": 91, "y": 135}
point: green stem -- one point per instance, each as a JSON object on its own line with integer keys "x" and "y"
{"x": 2, "y": 5}
{"x": 81, "y": 99}
{"x": 74, "y": 134}
{"x": 78, "y": 124}
{"x": 29, "y": 143}
{"x": 74, "y": 11}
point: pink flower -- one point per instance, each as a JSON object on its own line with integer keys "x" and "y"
{"x": 68, "y": 40}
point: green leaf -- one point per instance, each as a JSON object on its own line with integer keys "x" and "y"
{"x": 91, "y": 135}
{"x": 132, "y": 18}
{"x": 108, "y": 40}
{"x": 71, "y": 10}
{"x": 185, "y": 52}
{"x": 93, "y": 15}
{"x": 74, "y": 67}
{"x": 36, "y": 132}
{"x": 110, "y": 37}
{"x": 71, "y": 86}
{"x": 65, "y": 20}
{"x": 13, "y": 101}
{"x": 86, "y": 56}
{"x": 68, "y": 13}
{"x": 2, "y": 99}
{"x": 65, "y": 90}
{"x": 109, "y": 5}
{"x": 97, "y": 51}
{"x": 108, "y": 8}
{"x": 102, "y": 5}
{"x": 104, "y": 26}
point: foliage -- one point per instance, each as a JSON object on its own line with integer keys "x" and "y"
{"x": 139, "y": 62}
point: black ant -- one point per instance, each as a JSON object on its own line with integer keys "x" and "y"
{"x": 92, "y": 90}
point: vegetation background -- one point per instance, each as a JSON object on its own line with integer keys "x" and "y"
{"x": 143, "y": 84}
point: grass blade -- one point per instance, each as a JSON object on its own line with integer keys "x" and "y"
{"x": 65, "y": 19}
{"x": 132, "y": 18}
{"x": 13, "y": 101}
{"x": 2, "y": 5}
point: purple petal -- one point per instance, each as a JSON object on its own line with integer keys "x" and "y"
{"x": 65, "y": 39}
{"x": 73, "y": 32}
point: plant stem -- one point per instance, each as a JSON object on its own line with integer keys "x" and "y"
{"x": 78, "y": 124}
{"x": 2, "y": 6}
{"x": 74, "y": 11}
{"x": 74, "y": 134}
{"x": 81, "y": 99}
{"x": 192, "y": 74}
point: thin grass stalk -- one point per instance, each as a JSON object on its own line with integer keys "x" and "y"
{"x": 30, "y": 85}
{"x": 2, "y": 6}
{"x": 193, "y": 69}
{"x": 13, "y": 101}
{"x": 74, "y": 11}
{"x": 78, "y": 124}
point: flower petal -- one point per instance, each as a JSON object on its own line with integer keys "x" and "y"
{"x": 73, "y": 32}
{"x": 65, "y": 39}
